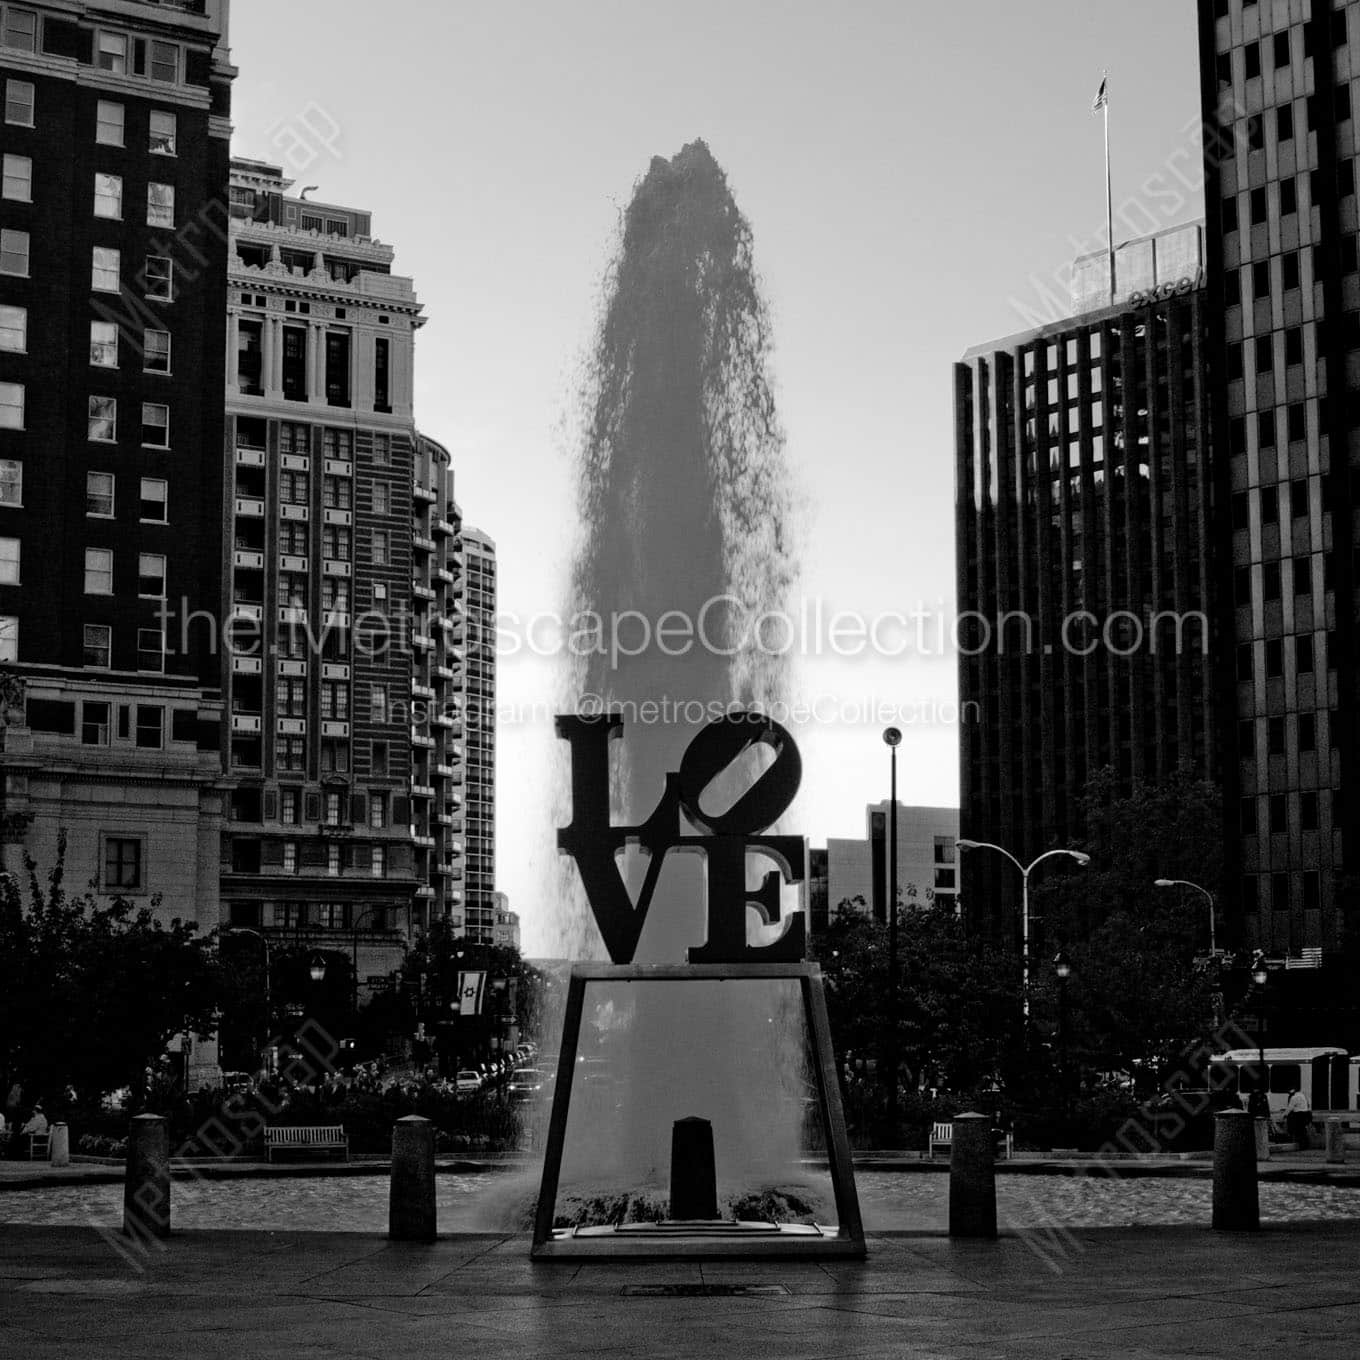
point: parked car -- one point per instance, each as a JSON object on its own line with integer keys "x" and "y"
{"x": 467, "y": 1081}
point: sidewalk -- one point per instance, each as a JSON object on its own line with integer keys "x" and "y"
{"x": 1127, "y": 1293}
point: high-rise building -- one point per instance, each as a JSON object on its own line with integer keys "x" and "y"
{"x": 1085, "y": 565}
{"x": 1278, "y": 87}
{"x": 327, "y": 526}
{"x": 113, "y": 268}
{"x": 478, "y": 567}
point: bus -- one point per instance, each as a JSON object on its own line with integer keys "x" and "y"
{"x": 1329, "y": 1077}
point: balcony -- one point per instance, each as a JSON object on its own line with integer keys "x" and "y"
{"x": 421, "y": 642}
{"x": 247, "y": 665}
{"x": 422, "y": 791}
{"x": 422, "y": 544}
{"x": 424, "y": 842}
{"x": 443, "y": 771}
{"x": 444, "y": 672}
{"x": 444, "y": 528}
{"x": 443, "y": 819}
{"x": 249, "y": 457}
{"x": 247, "y": 724}
{"x": 247, "y": 611}
{"x": 442, "y": 720}
{"x": 252, "y": 561}
{"x": 423, "y": 493}
{"x": 421, "y": 592}
{"x": 250, "y": 506}
{"x": 420, "y": 691}
{"x": 425, "y": 892}
{"x": 420, "y": 739}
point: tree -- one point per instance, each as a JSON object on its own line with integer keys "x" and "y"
{"x": 1136, "y": 998}
{"x": 92, "y": 992}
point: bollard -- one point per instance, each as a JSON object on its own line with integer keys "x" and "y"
{"x": 1336, "y": 1141}
{"x": 972, "y": 1177}
{"x": 1262, "y": 1139}
{"x": 59, "y": 1146}
{"x": 411, "y": 1210}
{"x": 146, "y": 1189}
{"x": 1237, "y": 1206}
{"x": 694, "y": 1181}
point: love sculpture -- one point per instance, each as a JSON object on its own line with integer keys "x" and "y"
{"x": 728, "y": 841}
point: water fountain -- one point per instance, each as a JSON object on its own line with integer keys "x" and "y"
{"x": 685, "y": 507}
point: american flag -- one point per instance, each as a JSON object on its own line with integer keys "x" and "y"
{"x": 1102, "y": 99}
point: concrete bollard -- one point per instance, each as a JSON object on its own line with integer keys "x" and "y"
{"x": 972, "y": 1177}
{"x": 1336, "y": 1141}
{"x": 1237, "y": 1205}
{"x": 694, "y": 1181}
{"x": 411, "y": 1208}
{"x": 146, "y": 1189}
{"x": 1262, "y": 1139}
{"x": 59, "y": 1146}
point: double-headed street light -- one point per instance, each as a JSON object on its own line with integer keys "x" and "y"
{"x": 1081, "y": 858}
{"x": 1186, "y": 883}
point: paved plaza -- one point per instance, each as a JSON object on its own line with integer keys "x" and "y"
{"x": 1128, "y": 1293}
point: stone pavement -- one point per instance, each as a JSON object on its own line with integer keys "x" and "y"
{"x": 1126, "y": 1293}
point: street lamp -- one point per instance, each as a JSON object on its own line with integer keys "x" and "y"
{"x": 892, "y": 738}
{"x": 1186, "y": 883}
{"x": 1025, "y": 870}
{"x": 1063, "y": 968}
{"x": 1260, "y": 975}
{"x": 316, "y": 968}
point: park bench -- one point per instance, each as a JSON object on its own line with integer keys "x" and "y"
{"x": 304, "y": 1138}
{"x": 39, "y": 1146}
{"x": 942, "y": 1135}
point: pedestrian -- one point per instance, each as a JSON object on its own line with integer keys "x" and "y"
{"x": 1298, "y": 1117}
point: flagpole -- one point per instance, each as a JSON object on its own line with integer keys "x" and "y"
{"x": 1109, "y": 196}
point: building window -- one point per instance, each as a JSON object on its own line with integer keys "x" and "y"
{"x": 336, "y": 493}
{"x": 21, "y": 29}
{"x": 377, "y": 703}
{"x": 335, "y": 757}
{"x": 123, "y": 869}
{"x": 160, "y": 205}
{"x": 377, "y": 811}
{"x": 335, "y": 542}
{"x": 382, "y": 450}
{"x": 14, "y": 253}
{"x": 293, "y": 487}
{"x": 98, "y": 646}
{"x": 108, "y": 196}
{"x": 103, "y": 420}
{"x": 151, "y": 576}
{"x": 11, "y": 483}
{"x": 106, "y": 270}
{"x": 104, "y": 344}
{"x": 111, "y": 53}
{"x": 156, "y": 351}
{"x": 335, "y": 594}
{"x": 99, "y": 494}
{"x": 382, "y": 375}
{"x": 380, "y": 547}
{"x": 99, "y": 571}
{"x": 337, "y": 368}
{"x": 332, "y": 809}
{"x": 1307, "y": 732}
{"x": 292, "y": 698}
{"x": 19, "y": 100}
{"x": 14, "y": 329}
{"x": 164, "y": 133}
{"x": 155, "y": 425}
{"x": 11, "y": 406}
{"x": 290, "y": 857}
{"x": 164, "y": 62}
{"x": 154, "y": 492}
{"x": 150, "y": 726}
{"x": 109, "y": 123}
{"x": 292, "y": 754}
{"x": 9, "y": 637}
{"x": 159, "y": 278}
{"x": 288, "y": 807}
{"x": 379, "y": 861}
{"x": 382, "y": 498}
{"x": 150, "y": 650}
{"x": 18, "y": 178}
{"x": 379, "y": 759}
{"x": 294, "y": 363}
{"x": 333, "y": 860}
{"x": 335, "y": 700}
{"x": 94, "y": 723}
{"x": 337, "y": 444}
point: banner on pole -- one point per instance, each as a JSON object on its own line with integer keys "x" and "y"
{"x": 471, "y": 986}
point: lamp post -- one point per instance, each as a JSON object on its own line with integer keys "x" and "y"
{"x": 892, "y": 738}
{"x": 1081, "y": 858}
{"x": 1260, "y": 975}
{"x": 1063, "y": 968}
{"x": 1186, "y": 883}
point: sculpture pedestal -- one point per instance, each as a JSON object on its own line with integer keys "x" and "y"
{"x": 717, "y": 1238}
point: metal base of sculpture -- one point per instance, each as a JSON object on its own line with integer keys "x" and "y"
{"x": 704, "y": 1237}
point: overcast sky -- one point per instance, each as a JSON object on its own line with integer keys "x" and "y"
{"x": 917, "y": 176}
